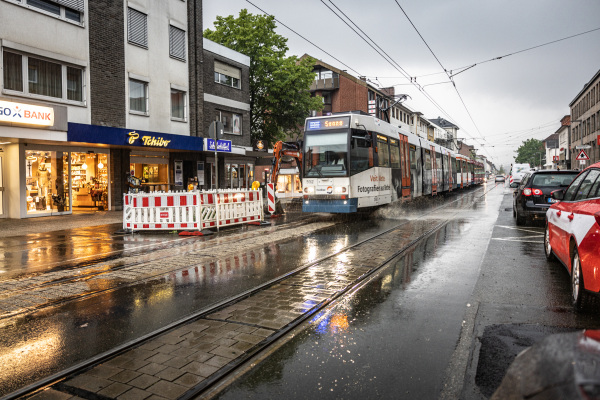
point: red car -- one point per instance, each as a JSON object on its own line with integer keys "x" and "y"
{"x": 572, "y": 233}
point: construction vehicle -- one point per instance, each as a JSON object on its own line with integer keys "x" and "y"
{"x": 284, "y": 152}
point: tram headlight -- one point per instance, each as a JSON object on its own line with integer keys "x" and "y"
{"x": 340, "y": 189}
{"x": 309, "y": 190}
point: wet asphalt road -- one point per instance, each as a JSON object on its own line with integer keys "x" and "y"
{"x": 421, "y": 328}
{"x": 392, "y": 338}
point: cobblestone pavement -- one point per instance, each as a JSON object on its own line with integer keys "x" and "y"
{"x": 171, "y": 365}
{"x": 27, "y": 294}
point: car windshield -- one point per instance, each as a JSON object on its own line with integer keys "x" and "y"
{"x": 326, "y": 154}
{"x": 553, "y": 180}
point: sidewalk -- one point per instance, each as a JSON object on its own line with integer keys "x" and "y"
{"x": 18, "y": 227}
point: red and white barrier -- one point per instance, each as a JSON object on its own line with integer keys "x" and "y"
{"x": 190, "y": 210}
{"x": 271, "y": 197}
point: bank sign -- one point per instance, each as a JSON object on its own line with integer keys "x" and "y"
{"x": 19, "y": 113}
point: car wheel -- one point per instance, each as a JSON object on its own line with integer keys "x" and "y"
{"x": 520, "y": 219}
{"x": 580, "y": 297}
{"x": 547, "y": 247}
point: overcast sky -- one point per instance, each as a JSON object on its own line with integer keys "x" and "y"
{"x": 518, "y": 97}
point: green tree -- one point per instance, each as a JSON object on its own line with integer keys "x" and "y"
{"x": 530, "y": 152}
{"x": 280, "y": 99}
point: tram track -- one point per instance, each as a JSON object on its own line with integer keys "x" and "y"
{"x": 223, "y": 313}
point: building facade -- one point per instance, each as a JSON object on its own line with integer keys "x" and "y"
{"x": 564, "y": 134}
{"x": 585, "y": 123}
{"x": 98, "y": 97}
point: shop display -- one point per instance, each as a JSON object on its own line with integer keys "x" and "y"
{"x": 46, "y": 181}
{"x": 89, "y": 173}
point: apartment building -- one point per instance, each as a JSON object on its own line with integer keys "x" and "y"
{"x": 97, "y": 97}
{"x": 585, "y": 122}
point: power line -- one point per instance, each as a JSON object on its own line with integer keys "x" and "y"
{"x": 445, "y": 70}
{"x": 281, "y": 23}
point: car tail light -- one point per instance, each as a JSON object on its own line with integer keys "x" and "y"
{"x": 537, "y": 192}
{"x": 527, "y": 192}
{"x": 597, "y": 216}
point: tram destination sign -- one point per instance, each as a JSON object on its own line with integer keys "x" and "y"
{"x": 320, "y": 124}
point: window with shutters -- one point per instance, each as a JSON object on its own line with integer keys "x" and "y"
{"x": 228, "y": 75}
{"x": 137, "y": 28}
{"x": 176, "y": 43}
{"x": 30, "y": 76}
{"x": 67, "y": 10}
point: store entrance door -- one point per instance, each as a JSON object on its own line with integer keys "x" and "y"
{"x": 1, "y": 190}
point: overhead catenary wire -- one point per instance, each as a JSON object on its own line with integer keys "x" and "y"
{"x": 446, "y": 71}
{"x": 396, "y": 66}
{"x": 318, "y": 47}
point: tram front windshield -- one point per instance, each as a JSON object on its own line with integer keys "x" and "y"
{"x": 326, "y": 154}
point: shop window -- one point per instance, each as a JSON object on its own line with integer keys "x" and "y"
{"x": 47, "y": 181}
{"x": 89, "y": 181}
{"x": 152, "y": 177}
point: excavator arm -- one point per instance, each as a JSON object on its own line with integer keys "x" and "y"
{"x": 285, "y": 151}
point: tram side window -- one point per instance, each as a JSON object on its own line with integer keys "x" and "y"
{"x": 413, "y": 158}
{"x": 395, "y": 155}
{"x": 427, "y": 160}
{"x": 383, "y": 153}
{"x": 361, "y": 152}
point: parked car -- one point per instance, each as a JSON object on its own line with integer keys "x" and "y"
{"x": 572, "y": 233}
{"x": 499, "y": 178}
{"x": 532, "y": 198}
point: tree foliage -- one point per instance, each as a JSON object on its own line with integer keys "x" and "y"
{"x": 279, "y": 86}
{"x": 530, "y": 152}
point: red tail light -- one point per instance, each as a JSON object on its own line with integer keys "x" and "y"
{"x": 527, "y": 192}
{"x": 537, "y": 192}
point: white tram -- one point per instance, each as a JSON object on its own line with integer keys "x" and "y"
{"x": 355, "y": 161}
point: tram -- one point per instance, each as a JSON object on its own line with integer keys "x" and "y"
{"x": 353, "y": 161}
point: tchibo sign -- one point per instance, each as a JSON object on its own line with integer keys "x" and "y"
{"x": 26, "y": 114}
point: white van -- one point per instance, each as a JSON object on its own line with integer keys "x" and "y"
{"x": 517, "y": 171}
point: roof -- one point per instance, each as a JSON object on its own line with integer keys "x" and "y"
{"x": 441, "y": 122}
{"x": 585, "y": 87}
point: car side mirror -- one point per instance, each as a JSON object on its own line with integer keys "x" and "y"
{"x": 514, "y": 185}
{"x": 558, "y": 194}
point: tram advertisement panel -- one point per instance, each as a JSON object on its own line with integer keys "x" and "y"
{"x": 375, "y": 182}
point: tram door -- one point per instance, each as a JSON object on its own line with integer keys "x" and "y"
{"x": 405, "y": 160}
{"x": 433, "y": 172}
{"x": 450, "y": 180}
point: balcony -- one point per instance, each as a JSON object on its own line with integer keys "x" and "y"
{"x": 325, "y": 84}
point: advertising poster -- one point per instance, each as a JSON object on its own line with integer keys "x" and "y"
{"x": 237, "y": 126}
{"x": 178, "y": 173}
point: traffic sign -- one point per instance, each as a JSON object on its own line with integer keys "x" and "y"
{"x": 582, "y": 156}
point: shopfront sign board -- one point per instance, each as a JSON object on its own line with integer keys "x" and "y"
{"x": 128, "y": 137}
{"x": 223, "y": 146}
{"x": 27, "y": 114}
